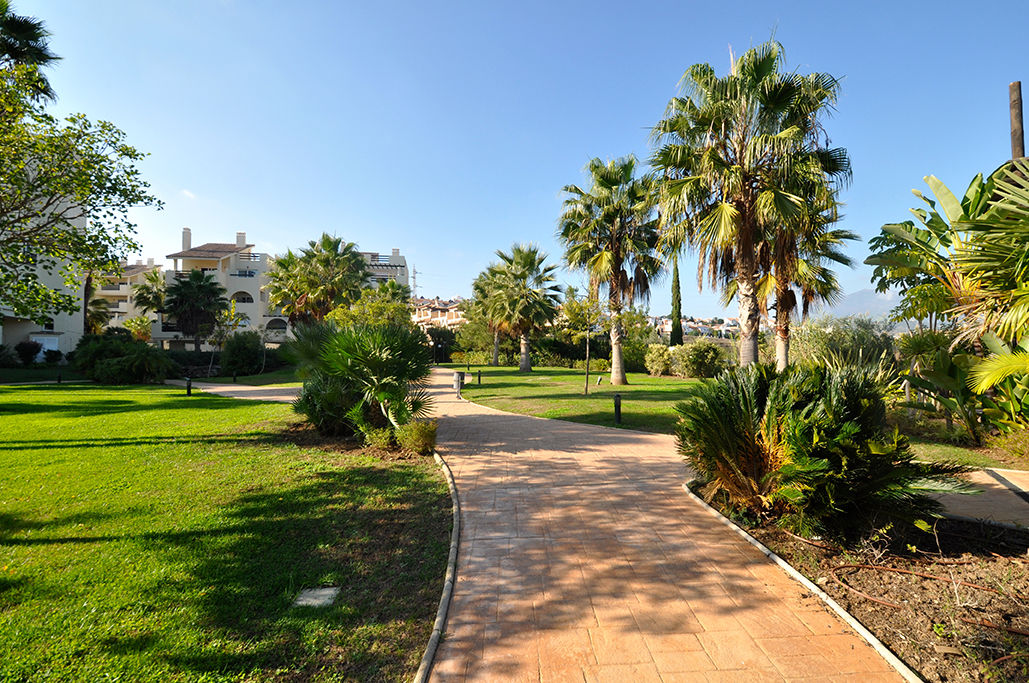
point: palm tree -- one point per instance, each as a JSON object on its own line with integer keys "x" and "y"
{"x": 485, "y": 288}
{"x": 23, "y": 40}
{"x": 149, "y": 295}
{"x": 327, "y": 274}
{"x": 195, "y": 301}
{"x": 526, "y": 295}
{"x": 737, "y": 153}
{"x": 611, "y": 232}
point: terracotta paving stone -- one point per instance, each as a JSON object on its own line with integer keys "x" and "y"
{"x": 580, "y": 558}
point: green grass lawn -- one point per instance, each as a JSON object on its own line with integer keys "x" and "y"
{"x": 648, "y": 403}
{"x": 145, "y": 535}
{"x": 38, "y": 373}
{"x": 283, "y": 377}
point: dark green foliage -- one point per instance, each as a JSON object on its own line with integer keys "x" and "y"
{"x": 52, "y": 356}
{"x": 243, "y": 354}
{"x": 854, "y": 339}
{"x": 418, "y": 436}
{"x": 945, "y": 389}
{"x": 806, "y": 447}
{"x": 143, "y": 364}
{"x": 445, "y": 341}
{"x": 8, "y": 359}
{"x": 27, "y": 351}
{"x": 187, "y": 358}
{"x": 325, "y": 401}
{"x": 117, "y": 358}
{"x": 675, "y": 336}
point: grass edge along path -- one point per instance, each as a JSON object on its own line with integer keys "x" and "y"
{"x": 145, "y": 535}
{"x": 648, "y": 404}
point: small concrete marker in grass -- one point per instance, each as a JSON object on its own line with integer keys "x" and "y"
{"x": 316, "y": 597}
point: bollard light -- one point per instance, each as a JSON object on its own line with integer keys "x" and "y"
{"x": 479, "y": 379}
{"x": 618, "y": 409}
{"x": 189, "y": 387}
{"x": 58, "y": 378}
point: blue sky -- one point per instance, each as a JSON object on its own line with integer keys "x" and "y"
{"x": 448, "y": 129}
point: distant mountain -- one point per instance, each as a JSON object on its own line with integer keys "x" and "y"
{"x": 867, "y": 302}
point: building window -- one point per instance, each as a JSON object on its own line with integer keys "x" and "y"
{"x": 49, "y": 325}
{"x": 276, "y": 325}
{"x": 243, "y": 298}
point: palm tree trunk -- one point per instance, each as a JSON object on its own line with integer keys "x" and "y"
{"x": 750, "y": 320}
{"x": 525, "y": 361}
{"x": 617, "y": 361}
{"x": 496, "y": 348}
{"x": 782, "y": 330}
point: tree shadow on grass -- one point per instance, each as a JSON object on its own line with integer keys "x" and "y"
{"x": 113, "y": 406}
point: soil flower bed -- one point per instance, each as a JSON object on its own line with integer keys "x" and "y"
{"x": 953, "y": 604}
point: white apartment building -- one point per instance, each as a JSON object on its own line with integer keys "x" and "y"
{"x": 62, "y": 332}
{"x": 117, "y": 291}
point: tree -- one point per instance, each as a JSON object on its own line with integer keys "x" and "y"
{"x": 23, "y": 41}
{"x": 149, "y": 295}
{"x": 485, "y": 289}
{"x": 675, "y": 336}
{"x": 526, "y": 296}
{"x": 140, "y": 327}
{"x": 391, "y": 290}
{"x": 97, "y": 314}
{"x": 65, "y": 194}
{"x": 195, "y": 302}
{"x": 376, "y": 306}
{"x": 610, "y": 231}
{"x": 325, "y": 275}
{"x": 737, "y": 153}
{"x": 582, "y": 319}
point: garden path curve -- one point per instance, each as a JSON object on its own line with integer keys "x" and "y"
{"x": 582, "y": 559}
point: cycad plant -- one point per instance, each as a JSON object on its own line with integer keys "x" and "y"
{"x": 806, "y": 448}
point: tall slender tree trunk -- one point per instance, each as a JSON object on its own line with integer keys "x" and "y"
{"x": 496, "y": 348}
{"x": 525, "y": 361}
{"x": 617, "y": 361}
{"x": 750, "y": 319}
{"x": 587, "y": 385}
{"x": 675, "y": 336}
{"x": 783, "y": 311}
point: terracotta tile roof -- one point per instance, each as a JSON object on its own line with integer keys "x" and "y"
{"x": 212, "y": 250}
{"x": 129, "y": 271}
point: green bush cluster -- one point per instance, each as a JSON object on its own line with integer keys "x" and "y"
{"x": 806, "y": 448}
{"x": 27, "y": 351}
{"x": 658, "y": 359}
{"x": 8, "y": 358}
{"x": 243, "y": 354}
{"x": 52, "y": 356}
{"x": 364, "y": 379}
{"x": 596, "y": 365}
{"x": 418, "y": 436}
{"x": 700, "y": 358}
{"x": 114, "y": 357}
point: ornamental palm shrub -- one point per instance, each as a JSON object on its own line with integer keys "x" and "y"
{"x": 807, "y": 448}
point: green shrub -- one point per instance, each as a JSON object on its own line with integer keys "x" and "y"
{"x": 546, "y": 359}
{"x": 243, "y": 354}
{"x": 379, "y": 437}
{"x": 52, "y": 356}
{"x": 658, "y": 360}
{"x": 596, "y": 365}
{"x": 700, "y": 358}
{"x": 855, "y": 339}
{"x": 142, "y": 364}
{"x": 27, "y": 351}
{"x": 325, "y": 401}
{"x": 137, "y": 362}
{"x": 8, "y": 359}
{"x": 808, "y": 448}
{"x": 418, "y": 436}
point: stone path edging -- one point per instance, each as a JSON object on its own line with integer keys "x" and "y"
{"x": 869, "y": 637}
{"x": 425, "y": 668}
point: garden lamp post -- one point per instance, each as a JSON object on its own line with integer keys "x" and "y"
{"x": 432, "y": 345}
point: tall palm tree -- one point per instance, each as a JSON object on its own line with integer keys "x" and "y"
{"x": 149, "y": 295}
{"x": 195, "y": 301}
{"x": 24, "y": 40}
{"x": 485, "y": 289}
{"x": 736, "y": 152}
{"x": 610, "y": 231}
{"x": 325, "y": 275}
{"x": 526, "y": 295}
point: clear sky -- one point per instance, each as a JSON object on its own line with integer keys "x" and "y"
{"x": 448, "y": 129}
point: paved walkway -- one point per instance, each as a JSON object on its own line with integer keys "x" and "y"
{"x": 582, "y": 559}
{"x": 258, "y": 393}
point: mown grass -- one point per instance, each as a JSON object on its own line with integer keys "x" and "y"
{"x": 145, "y": 535}
{"x": 283, "y": 377}
{"x": 648, "y": 403}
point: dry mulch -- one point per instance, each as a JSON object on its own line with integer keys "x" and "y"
{"x": 971, "y": 623}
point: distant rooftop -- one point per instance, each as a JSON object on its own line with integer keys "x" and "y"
{"x": 211, "y": 250}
